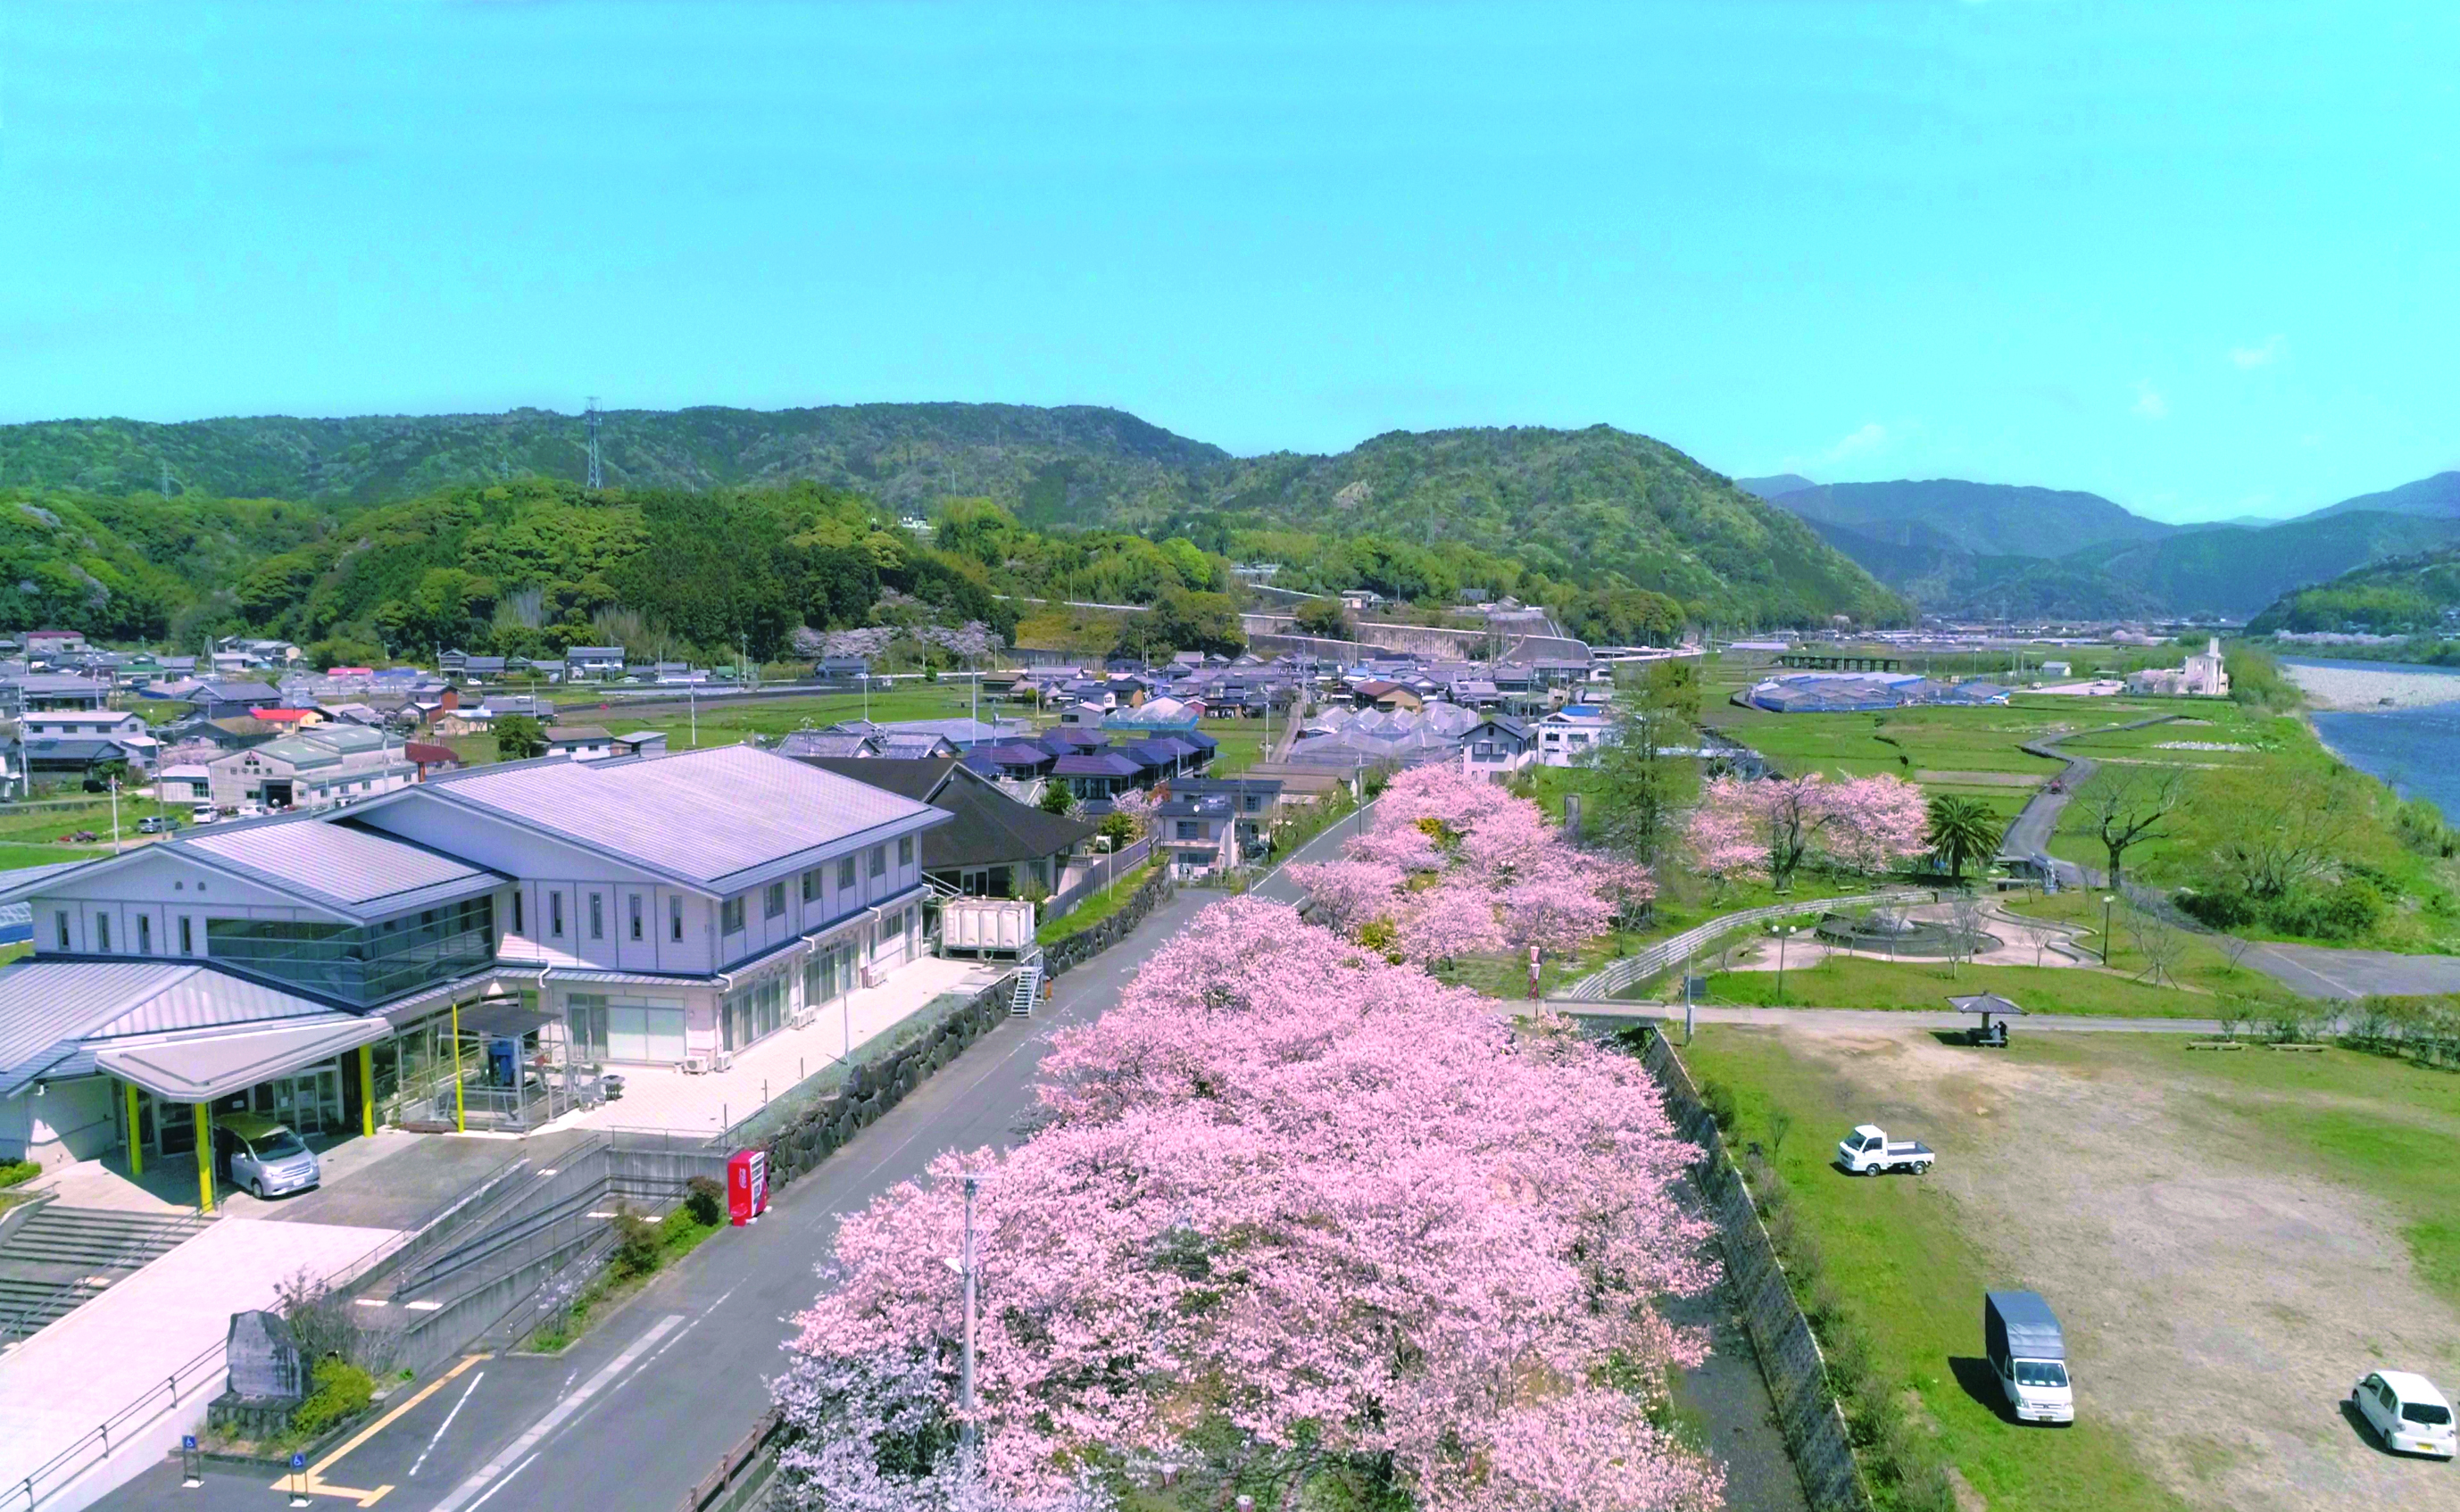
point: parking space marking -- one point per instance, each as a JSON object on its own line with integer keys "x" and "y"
{"x": 444, "y": 1427}
{"x": 474, "y": 1487}
{"x": 314, "y": 1482}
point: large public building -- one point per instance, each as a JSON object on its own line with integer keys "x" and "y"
{"x": 488, "y": 937}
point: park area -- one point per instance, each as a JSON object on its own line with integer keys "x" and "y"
{"x": 2230, "y": 1237}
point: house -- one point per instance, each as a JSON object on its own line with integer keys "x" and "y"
{"x": 185, "y": 784}
{"x": 79, "y": 724}
{"x": 580, "y": 742}
{"x": 1389, "y": 697}
{"x": 841, "y": 669}
{"x": 427, "y": 758}
{"x": 1097, "y": 774}
{"x": 1197, "y": 833}
{"x": 1572, "y": 732}
{"x": 1252, "y": 802}
{"x": 1497, "y": 747}
{"x": 54, "y": 642}
{"x": 997, "y": 847}
{"x": 226, "y": 699}
{"x": 343, "y": 969}
{"x": 641, "y": 742}
{"x": 39, "y": 691}
{"x": 597, "y": 663}
{"x": 311, "y": 771}
{"x": 2202, "y": 676}
{"x": 80, "y": 759}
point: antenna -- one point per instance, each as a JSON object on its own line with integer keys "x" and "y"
{"x": 590, "y": 417}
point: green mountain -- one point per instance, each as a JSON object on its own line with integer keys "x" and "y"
{"x": 2409, "y": 595}
{"x": 1984, "y": 518}
{"x": 2438, "y": 496}
{"x": 2235, "y": 570}
{"x": 1617, "y": 530}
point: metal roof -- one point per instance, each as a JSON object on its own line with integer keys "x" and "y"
{"x": 52, "y": 1010}
{"x": 702, "y": 816}
{"x": 203, "y": 1069}
{"x": 342, "y": 867}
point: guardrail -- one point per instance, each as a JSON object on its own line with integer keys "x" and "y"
{"x": 1105, "y": 871}
{"x": 1615, "y": 976}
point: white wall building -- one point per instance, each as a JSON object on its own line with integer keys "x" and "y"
{"x": 2202, "y": 676}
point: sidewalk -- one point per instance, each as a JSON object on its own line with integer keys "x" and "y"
{"x": 665, "y": 1098}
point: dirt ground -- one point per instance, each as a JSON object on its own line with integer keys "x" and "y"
{"x": 2218, "y": 1310}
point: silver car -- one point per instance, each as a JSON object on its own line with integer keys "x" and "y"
{"x": 263, "y": 1156}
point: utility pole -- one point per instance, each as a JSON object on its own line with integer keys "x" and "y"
{"x": 589, "y": 418}
{"x": 167, "y": 480}
{"x": 967, "y": 1269}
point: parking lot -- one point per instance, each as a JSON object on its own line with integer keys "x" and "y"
{"x": 2211, "y": 1226}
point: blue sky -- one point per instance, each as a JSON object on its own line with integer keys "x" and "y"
{"x": 2198, "y": 257}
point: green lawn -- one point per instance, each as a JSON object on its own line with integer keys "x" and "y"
{"x": 1857, "y": 982}
{"x": 1895, "y": 1252}
{"x": 1092, "y": 911}
{"x": 1240, "y": 741}
{"x": 2201, "y": 961}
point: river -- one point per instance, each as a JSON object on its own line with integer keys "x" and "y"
{"x": 2416, "y": 750}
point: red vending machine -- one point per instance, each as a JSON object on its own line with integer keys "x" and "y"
{"x": 746, "y": 1186}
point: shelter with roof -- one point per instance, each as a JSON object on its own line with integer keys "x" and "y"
{"x": 328, "y": 968}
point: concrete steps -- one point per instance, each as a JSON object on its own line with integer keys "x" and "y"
{"x": 57, "y": 1259}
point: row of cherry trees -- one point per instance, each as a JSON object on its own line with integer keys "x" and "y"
{"x": 1455, "y": 866}
{"x": 1293, "y": 1212}
{"x": 1771, "y": 828}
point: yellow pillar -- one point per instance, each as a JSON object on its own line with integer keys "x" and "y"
{"x": 461, "y": 1115}
{"x": 367, "y": 1090}
{"x": 205, "y": 1158}
{"x": 135, "y": 1143}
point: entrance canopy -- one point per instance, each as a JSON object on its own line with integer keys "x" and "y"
{"x": 203, "y": 1067}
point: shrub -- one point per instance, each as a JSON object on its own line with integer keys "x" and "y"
{"x": 14, "y": 1172}
{"x": 637, "y": 1247}
{"x": 2350, "y": 910}
{"x": 705, "y": 1199}
{"x": 2221, "y": 907}
{"x": 1719, "y": 1100}
{"x": 342, "y": 1391}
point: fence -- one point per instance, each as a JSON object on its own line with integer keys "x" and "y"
{"x": 1789, "y": 1356}
{"x": 1104, "y": 871}
{"x": 1617, "y": 976}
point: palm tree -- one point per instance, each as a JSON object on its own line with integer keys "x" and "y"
{"x": 1962, "y": 830}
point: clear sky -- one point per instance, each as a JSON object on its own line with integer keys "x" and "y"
{"x": 2200, "y": 257}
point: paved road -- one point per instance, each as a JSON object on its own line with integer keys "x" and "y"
{"x": 1880, "y": 1019}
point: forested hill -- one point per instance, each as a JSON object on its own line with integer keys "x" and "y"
{"x": 2410, "y": 595}
{"x": 1617, "y": 530}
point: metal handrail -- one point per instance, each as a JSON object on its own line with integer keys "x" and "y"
{"x": 1616, "y": 975}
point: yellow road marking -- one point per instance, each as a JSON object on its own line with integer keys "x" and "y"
{"x": 316, "y": 1484}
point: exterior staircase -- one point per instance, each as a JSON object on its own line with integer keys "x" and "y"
{"x": 59, "y": 1258}
{"x": 1028, "y": 986}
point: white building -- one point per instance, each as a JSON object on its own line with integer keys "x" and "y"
{"x": 314, "y": 968}
{"x": 2202, "y": 676}
{"x": 1572, "y": 732}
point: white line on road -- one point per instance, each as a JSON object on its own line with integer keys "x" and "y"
{"x": 554, "y": 1419}
{"x": 500, "y": 1485}
{"x": 442, "y": 1427}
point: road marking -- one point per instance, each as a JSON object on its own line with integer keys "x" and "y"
{"x": 507, "y": 1481}
{"x": 478, "y": 1485}
{"x": 446, "y": 1426}
{"x": 313, "y": 1483}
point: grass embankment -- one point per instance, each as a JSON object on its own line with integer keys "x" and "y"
{"x": 1095, "y": 909}
{"x": 1912, "y": 1278}
{"x": 1860, "y": 983}
{"x": 643, "y": 1249}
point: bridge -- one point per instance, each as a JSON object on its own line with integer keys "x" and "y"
{"x": 1809, "y": 661}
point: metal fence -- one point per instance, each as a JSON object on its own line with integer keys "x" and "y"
{"x": 1616, "y": 977}
{"x": 1790, "y": 1355}
{"x": 1104, "y": 871}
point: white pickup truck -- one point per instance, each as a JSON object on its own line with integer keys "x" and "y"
{"x": 1868, "y": 1150}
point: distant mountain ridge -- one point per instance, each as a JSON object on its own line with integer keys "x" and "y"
{"x": 1612, "y": 513}
{"x": 1958, "y": 548}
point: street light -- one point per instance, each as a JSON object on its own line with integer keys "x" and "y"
{"x": 1783, "y": 933}
{"x": 2106, "y": 901}
{"x": 966, "y": 1267}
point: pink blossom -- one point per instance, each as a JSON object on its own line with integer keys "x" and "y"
{"x": 1302, "y": 1207}
{"x": 1448, "y": 921}
{"x": 1771, "y": 826}
{"x": 1348, "y": 894}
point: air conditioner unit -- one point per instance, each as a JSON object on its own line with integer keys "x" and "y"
{"x": 695, "y": 1064}
{"x": 723, "y": 1060}
{"x": 873, "y": 976}
{"x": 803, "y": 1017}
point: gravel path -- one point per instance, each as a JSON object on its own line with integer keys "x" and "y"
{"x": 2349, "y": 688}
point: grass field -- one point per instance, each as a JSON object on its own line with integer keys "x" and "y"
{"x": 1843, "y": 981}
{"x": 2200, "y": 962}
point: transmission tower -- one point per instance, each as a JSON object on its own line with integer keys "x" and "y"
{"x": 597, "y": 480}
{"x": 167, "y": 480}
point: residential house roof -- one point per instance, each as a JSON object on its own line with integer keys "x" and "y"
{"x": 990, "y": 827}
{"x": 562, "y": 735}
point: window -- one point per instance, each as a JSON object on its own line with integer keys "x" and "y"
{"x": 879, "y": 861}
{"x": 102, "y": 933}
{"x": 772, "y": 901}
{"x": 845, "y": 872}
{"x": 811, "y": 886}
{"x": 555, "y": 914}
{"x": 61, "y": 919}
{"x": 187, "y": 936}
{"x": 144, "y": 934}
{"x": 905, "y": 850}
{"x": 635, "y": 902}
{"x": 1188, "y": 829}
{"x": 674, "y": 919}
{"x": 729, "y": 916}
{"x": 520, "y": 925}
{"x": 597, "y": 917}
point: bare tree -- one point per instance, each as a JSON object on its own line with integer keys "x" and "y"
{"x": 2160, "y": 943}
{"x": 1963, "y": 928}
{"x": 2276, "y": 831}
{"x": 1780, "y": 1124}
{"x": 2234, "y": 1013}
{"x": 2235, "y": 946}
{"x": 2125, "y": 806}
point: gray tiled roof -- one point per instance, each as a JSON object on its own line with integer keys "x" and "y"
{"x": 704, "y": 816}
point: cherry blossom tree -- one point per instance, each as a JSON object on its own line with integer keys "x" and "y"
{"x": 1292, "y": 1210}
{"x": 1771, "y": 826}
{"x": 1347, "y": 894}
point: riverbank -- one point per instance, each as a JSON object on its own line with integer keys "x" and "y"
{"x": 2354, "y": 690}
